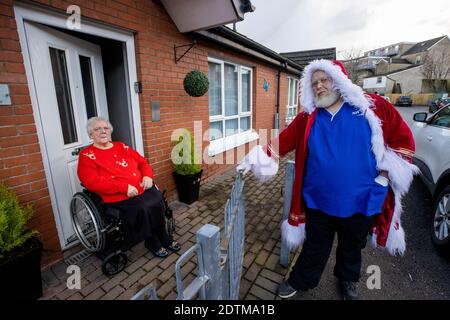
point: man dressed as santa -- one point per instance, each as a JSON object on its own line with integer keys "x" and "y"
{"x": 352, "y": 166}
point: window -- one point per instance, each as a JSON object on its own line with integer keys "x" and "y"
{"x": 230, "y": 103}
{"x": 292, "y": 100}
{"x": 379, "y": 79}
{"x": 442, "y": 118}
{"x": 418, "y": 59}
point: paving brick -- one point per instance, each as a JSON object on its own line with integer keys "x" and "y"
{"x": 261, "y": 293}
{"x": 150, "y": 276}
{"x": 272, "y": 262}
{"x": 76, "y": 296}
{"x": 269, "y": 244}
{"x": 169, "y": 261}
{"x": 248, "y": 259}
{"x": 130, "y": 292}
{"x": 133, "y": 278}
{"x": 262, "y": 257}
{"x": 95, "y": 295}
{"x": 244, "y": 288}
{"x": 132, "y": 267}
{"x": 267, "y": 284}
{"x": 114, "y": 281}
{"x": 256, "y": 247}
{"x": 252, "y": 272}
{"x": 98, "y": 282}
{"x": 165, "y": 289}
{"x": 113, "y": 293}
{"x": 151, "y": 264}
{"x": 273, "y": 276}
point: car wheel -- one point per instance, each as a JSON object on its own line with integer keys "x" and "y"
{"x": 441, "y": 222}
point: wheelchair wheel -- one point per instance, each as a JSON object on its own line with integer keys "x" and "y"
{"x": 87, "y": 223}
{"x": 114, "y": 263}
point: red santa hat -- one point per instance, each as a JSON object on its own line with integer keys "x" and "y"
{"x": 349, "y": 91}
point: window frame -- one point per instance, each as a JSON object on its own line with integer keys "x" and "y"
{"x": 294, "y": 106}
{"x": 227, "y": 142}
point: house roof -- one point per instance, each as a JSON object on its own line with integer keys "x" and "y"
{"x": 228, "y": 37}
{"x": 396, "y": 71}
{"x": 305, "y": 57}
{"x": 423, "y": 46}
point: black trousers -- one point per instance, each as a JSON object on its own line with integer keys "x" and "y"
{"x": 143, "y": 219}
{"x": 320, "y": 230}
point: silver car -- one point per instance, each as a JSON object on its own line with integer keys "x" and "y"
{"x": 432, "y": 137}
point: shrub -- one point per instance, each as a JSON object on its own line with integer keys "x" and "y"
{"x": 184, "y": 157}
{"x": 13, "y": 220}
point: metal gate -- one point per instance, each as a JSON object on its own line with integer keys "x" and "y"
{"x": 219, "y": 260}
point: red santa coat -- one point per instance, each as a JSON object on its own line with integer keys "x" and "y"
{"x": 109, "y": 172}
{"x": 392, "y": 144}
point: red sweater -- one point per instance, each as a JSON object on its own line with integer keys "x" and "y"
{"x": 109, "y": 172}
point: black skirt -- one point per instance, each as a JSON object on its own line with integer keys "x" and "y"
{"x": 141, "y": 215}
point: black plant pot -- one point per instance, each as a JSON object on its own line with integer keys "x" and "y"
{"x": 20, "y": 272}
{"x": 188, "y": 186}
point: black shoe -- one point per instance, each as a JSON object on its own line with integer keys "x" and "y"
{"x": 348, "y": 290}
{"x": 285, "y": 290}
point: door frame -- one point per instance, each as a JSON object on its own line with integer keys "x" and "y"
{"x": 50, "y": 17}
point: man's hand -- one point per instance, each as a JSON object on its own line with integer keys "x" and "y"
{"x": 132, "y": 191}
{"x": 384, "y": 174}
{"x": 146, "y": 183}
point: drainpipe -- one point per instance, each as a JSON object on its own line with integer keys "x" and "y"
{"x": 276, "y": 124}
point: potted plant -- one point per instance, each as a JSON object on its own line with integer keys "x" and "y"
{"x": 187, "y": 169}
{"x": 20, "y": 251}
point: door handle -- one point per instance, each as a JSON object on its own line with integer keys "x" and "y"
{"x": 429, "y": 138}
{"x": 77, "y": 151}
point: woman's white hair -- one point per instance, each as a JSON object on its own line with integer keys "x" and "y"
{"x": 90, "y": 125}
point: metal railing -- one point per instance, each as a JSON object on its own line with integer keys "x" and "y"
{"x": 288, "y": 183}
{"x": 219, "y": 261}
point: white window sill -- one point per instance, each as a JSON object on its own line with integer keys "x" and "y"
{"x": 220, "y": 145}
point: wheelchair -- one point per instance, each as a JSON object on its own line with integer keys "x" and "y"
{"x": 100, "y": 230}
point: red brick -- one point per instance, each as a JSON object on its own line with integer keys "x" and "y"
{"x": 10, "y": 56}
{"x": 35, "y": 195}
{"x": 6, "y": 111}
{"x": 12, "y": 172}
{"x": 17, "y": 141}
{"x": 7, "y": 33}
{"x": 10, "y": 152}
{"x": 14, "y": 67}
{"x": 25, "y": 119}
{"x": 26, "y": 129}
{"x": 25, "y": 99}
{"x": 18, "y": 89}
{"x": 31, "y": 148}
{"x": 25, "y": 179}
{"x": 6, "y": 10}
{"x": 8, "y": 131}
{"x": 33, "y": 167}
{"x": 21, "y": 110}
{"x": 15, "y": 161}
{"x": 12, "y": 45}
{"x": 38, "y": 185}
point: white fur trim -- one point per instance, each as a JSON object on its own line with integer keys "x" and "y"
{"x": 401, "y": 172}
{"x": 262, "y": 166}
{"x": 293, "y": 236}
{"x": 350, "y": 92}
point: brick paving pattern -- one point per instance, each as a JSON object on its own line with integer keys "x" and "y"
{"x": 261, "y": 271}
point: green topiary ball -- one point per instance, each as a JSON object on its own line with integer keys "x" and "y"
{"x": 196, "y": 83}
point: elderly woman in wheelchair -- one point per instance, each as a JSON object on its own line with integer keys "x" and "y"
{"x": 124, "y": 181}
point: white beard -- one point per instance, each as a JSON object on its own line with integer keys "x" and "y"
{"x": 327, "y": 100}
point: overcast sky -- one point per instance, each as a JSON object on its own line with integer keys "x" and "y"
{"x": 295, "y": 25}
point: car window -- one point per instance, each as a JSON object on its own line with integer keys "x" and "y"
{"x": 442, "y": 118}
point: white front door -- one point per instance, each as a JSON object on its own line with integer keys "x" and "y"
{"x": 70, "y": 88}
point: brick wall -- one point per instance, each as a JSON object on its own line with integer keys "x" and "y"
{"x": 162, "y": 80}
